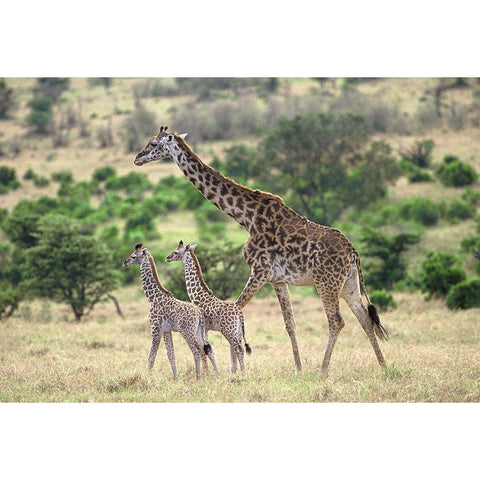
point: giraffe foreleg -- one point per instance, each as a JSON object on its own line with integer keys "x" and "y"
{"x": 157, "y": 332}
{"x": 281, "y": 289}
{"x": 335, "y": 325}
{"x": 251, "y": 288}
{"x": 167, "y": 336}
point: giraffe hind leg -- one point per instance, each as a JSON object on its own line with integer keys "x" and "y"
{"x": 368, "y": 318}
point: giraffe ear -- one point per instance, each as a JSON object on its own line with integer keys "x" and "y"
{"x": 138, "y": 246}
{"x": 193, "y": 247}
{"x": 180, "y": 243}
{"x": 144, "y": 251}
{"x": 183, "y": 135}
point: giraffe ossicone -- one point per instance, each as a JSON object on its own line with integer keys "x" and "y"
{"x": 283, "y": 247}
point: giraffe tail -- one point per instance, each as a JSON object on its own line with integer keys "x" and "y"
{"x": 380, "y": 331}
{"x": 207, "y": 348}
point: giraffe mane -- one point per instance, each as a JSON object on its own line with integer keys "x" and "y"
{"x": 155, "y": 275}
{"x": 260, "y": 193}
{"x": 200, "y": 273}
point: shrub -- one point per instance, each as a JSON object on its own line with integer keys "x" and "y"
{"x": 459, "y": 210}
{"x": 101, "y": 174}
{"x": 471, "y": 196}
{"x": 465, "y": 294}
{"x": 390, "y": 266}
{"x": 383, "y": 300}
{"x": 63, "y": 176}
{"x": 41, "y": 113}
{"x": 420, "y": 154}
{"x": 8, "y": 179}
{"x": 421, "y": 210}
{"x": 133, "y": 182}
{"x": 455, "y": 173}
{"x": 440, "y": 273}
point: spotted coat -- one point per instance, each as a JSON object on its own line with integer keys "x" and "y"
{"x": 283, "y": 247}
{"x": 168, "y": 314}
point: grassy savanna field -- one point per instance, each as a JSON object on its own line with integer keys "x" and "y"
{"x": 432, "y": 356}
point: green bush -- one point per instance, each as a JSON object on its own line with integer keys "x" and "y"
{"x": 103, "y": 173}
{"x": 133, "y": 182}
{"x": 383, "y": 300}
{"x": 458, "y": 210}
{"x": 464, "y": 295}
{"x": 8, "y": 179}
{"x": 419, "y": 154}
{"x": 439, "y": 274}
{"x": 421, "y": 210}
{"x": 41, "y": 113}
{"x": 455, "y": 173}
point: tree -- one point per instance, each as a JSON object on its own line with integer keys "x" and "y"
{"x": 440, "y": 272}
{"x": 320, "y": 164}
{"x": 69, "y": 265}
{"x": 390, "y": 266}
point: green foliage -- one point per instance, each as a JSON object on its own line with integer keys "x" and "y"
{"x": 241, "y": 163}
{"x": 383, "y": 300}
{"x": 140, "y": 221}
{"x": 390, "y": 266}
{"x": 465, "y": 294}
{"x": 419, "y": 154}
{"x": 456, "y": 173}
{"x": 414, "y": 173}
{"x": 439, "y": 273}
{"x": 40, "y": 116}
{"x": 103, "y": 173}
{"x": 63, "y": 176}
{"x": 69, "y": 265}
{"x": 458, "y": 210}
{"x": 21, "y": 225}
{"x": 420, "y": 210}
{"x": 132, "y": 182}
{"x": 471, "y": 196}
{"x": 316, "y": 160}
{"x": 8, "y": 179}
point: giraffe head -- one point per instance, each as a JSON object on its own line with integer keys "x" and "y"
{"x": 179, "y": 253}
{"x": 136, "y": 257}
{"x": 158, "y": 147}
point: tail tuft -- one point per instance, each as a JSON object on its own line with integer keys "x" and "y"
{"x": 207, "y": 348}
{"x": 248, "y": 349}
{"x": 380, "y": 331}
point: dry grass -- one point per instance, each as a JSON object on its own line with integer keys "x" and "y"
{"x": 432, "y": 357}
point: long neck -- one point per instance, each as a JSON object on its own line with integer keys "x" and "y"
{"x": 197, "y": 289}
{"x": 152, "y": 286}
{"x": 237, "y": 201}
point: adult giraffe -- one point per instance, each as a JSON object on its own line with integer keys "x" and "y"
{"x": 283, "y": 247}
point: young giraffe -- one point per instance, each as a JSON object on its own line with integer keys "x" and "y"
{"x": 223, "y": 316}
{"x": 283, "y": 247}
{"x": 168, "y": 314}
